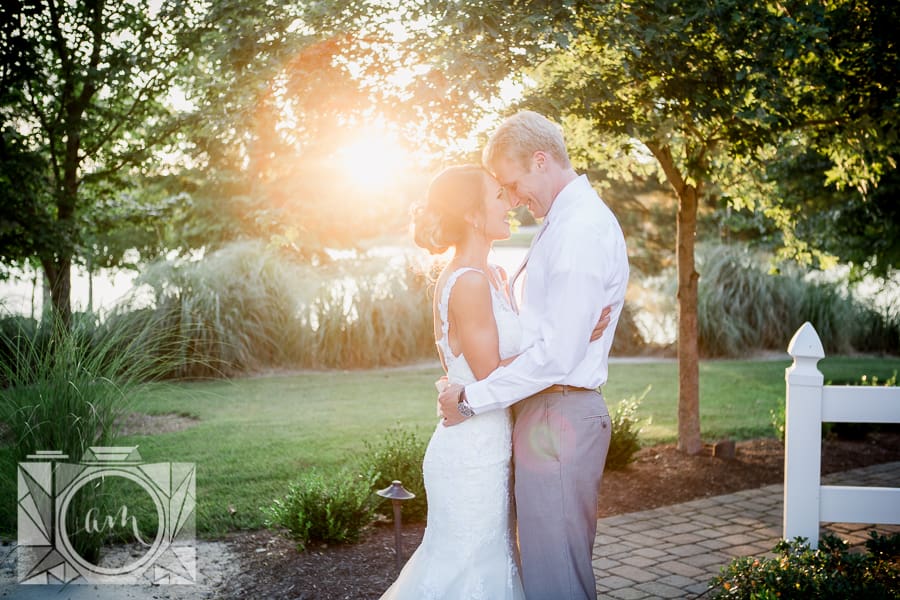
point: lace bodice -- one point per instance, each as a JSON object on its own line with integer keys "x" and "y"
{"x": 509, "y": 330}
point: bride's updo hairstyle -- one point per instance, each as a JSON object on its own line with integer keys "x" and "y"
{"x": 439, "y": 223}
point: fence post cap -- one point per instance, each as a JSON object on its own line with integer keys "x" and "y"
{"x": 806, "y": 343}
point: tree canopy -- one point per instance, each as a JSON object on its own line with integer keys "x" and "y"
{"x": 145, "y": 126}
{"x": 85, "y": 112}
{"x": 150, "y": 126}
{"x": 281, "y": 98}
{"x": 714, "y": 91}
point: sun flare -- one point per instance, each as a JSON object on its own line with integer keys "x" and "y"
{"x": 373, "y": 160}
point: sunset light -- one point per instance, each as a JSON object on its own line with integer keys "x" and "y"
{"x": 374, "y": 160}
{"x": 230, "y": 229}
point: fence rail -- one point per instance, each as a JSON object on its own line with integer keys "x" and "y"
{"x": 809, "y": 403}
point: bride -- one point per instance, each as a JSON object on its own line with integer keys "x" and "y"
{"x": 468, "y": 550}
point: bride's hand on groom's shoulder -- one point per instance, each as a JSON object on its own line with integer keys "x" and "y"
{"x": 601, "y": 325}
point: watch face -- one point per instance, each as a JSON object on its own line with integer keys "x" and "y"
{"x": 464, "y": 409}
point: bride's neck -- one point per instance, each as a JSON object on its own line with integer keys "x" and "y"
{"x": 473, "y": 253}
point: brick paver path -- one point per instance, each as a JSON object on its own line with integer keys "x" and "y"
{"x": 674, "y": 551}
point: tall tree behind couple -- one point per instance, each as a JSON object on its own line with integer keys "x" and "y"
{"x": 523, "y": 384}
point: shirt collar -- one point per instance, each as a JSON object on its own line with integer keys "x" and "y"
{"x": 567, "y": 196}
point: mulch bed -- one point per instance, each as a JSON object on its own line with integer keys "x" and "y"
{"x": 660, "y": 475}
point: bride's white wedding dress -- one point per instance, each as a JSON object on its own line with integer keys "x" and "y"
{"x": 467, "y": 551}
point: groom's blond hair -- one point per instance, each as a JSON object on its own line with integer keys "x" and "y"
{"x": 523, "y": 134}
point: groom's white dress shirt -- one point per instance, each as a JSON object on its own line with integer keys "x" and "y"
{"x": 577, "y": 266}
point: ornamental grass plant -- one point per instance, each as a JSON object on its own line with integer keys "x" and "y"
{"x": 248, "y": 307}
{"x": 744, "y": 308}
{"x": 64, "y": 390}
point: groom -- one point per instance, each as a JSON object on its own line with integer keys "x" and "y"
{"x": 576, "y": 265}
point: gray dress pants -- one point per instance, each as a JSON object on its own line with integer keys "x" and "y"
{"x": 560, "y": 441}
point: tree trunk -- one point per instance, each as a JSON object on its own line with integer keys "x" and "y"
{"x": 46, "y": 299}
{"x": 34, "y": 281}
{"x": 59, "y": 276}
{"x": 90, "y": 278}
{"x": 59, "y": 268}
{"x": 689, "y": 440}
{"x": 60, "y": 271}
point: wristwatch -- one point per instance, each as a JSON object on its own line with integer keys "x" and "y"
{"x": 463, "y": 406}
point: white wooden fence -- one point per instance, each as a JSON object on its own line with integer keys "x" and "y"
{"x": 810, "y": 403}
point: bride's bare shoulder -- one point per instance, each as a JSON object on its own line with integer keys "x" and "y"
{"x": 467, "y": 279}
{"x": 470, "y": 288}
{"x": 471, "y": 277}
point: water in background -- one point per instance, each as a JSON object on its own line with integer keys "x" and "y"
{"x": 655, "y": 315}
{"x": 23, "y": 295}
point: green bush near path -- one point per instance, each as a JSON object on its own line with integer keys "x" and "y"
{"x": 626, "y": 430}
{"x": 398, "y": 455}
{"x": 256, "y": 435}
{"x": 329, "y": 508}
{"x": 830, "y": 572}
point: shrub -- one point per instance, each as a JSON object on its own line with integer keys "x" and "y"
{"x": 776, "y": 418}
{"x": 624, "y": 443}
{"x": 324, "y": 508}
{"x": 847, "y": 431}
{"x": 399, "y": 456}
{"x": 799, "y": 572}
{"x": 874, "y": 381}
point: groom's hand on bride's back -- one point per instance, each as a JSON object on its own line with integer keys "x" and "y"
{"x": 448, "y": 400}
{"x": 601, "y": 325}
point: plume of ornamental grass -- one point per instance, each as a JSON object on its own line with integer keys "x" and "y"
{"x": 743, "y": 307}
{"x": 381, "y": 315}
{"x": 228, "y": 312}
{"x": 248, "y": 307}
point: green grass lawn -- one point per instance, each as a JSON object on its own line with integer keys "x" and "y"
{"x": 255, "y": 435}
